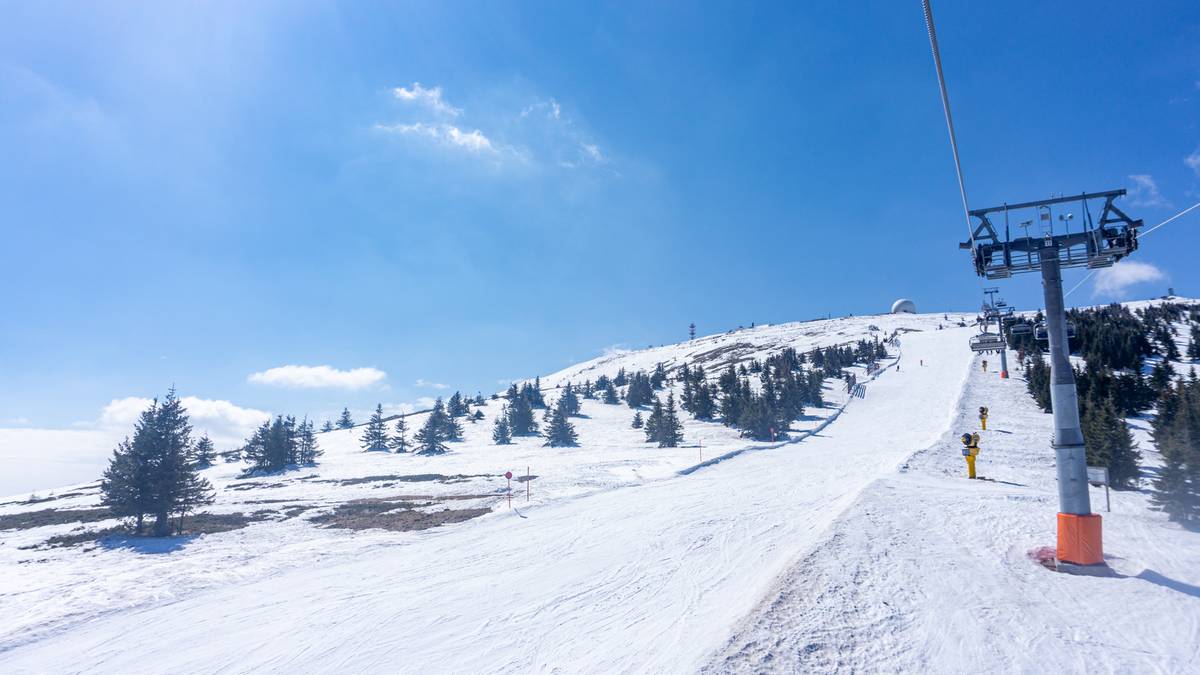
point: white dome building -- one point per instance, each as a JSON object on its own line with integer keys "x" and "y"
{"x": 904, "y": 306}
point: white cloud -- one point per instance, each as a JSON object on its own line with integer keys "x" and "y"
{"x": 1193, "y": 161}
{"x": 1118, "y": 279}
{"x": 434, "y": 385}
{"x": 318, "y": 377}
{"x": 429, "y": 97}
{"x": 1145, "y": 192}
{"x": 473, "y": 141}
{"x": 228, "y": 424}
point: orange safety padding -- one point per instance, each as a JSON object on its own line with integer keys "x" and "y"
{"x": 1079, "y": 539}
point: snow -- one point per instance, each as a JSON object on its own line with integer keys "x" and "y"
{"x": 855, "y": 545}
{"x": 929, "y": 572}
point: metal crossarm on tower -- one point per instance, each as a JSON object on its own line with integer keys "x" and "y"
{"x": 1097, "y": 244}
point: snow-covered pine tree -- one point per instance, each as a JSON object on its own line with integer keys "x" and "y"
{"x": 637, "y": 420}
{"x": 399, "y": 441}
{"x": 203, "y": 454}
{"x": 375, "y": 437}
{"x": 501, "y": 434}
{"x": 560, "y": 432}
{"x": 345, "y": 421}
{"x": 1193, "y": 348}
{"x": 476, "y": 416}
{"x": 327, "y": 427}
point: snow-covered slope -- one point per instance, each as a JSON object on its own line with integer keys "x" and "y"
{"x": 856, "y": 545}
{"x": 646, "y": 577}
{"x": 929, "y": 572}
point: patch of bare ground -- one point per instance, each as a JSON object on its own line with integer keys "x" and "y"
{"x": 410, "y": 478}
{"x": 398, "y": 514}
{"x": 31, "y": 519}
{"x": 194, "y": 525}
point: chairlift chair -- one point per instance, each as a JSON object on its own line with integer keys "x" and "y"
{"x": 1040, "y": 332}
{"x": 987, "y": 342}
{"x": 1021, "y": 328}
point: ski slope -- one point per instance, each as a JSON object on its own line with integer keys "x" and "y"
{"x": 644, "y": 576}
{"x": 929, "y": 572}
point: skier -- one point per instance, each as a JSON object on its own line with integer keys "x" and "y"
{"x": 985, "y": 365}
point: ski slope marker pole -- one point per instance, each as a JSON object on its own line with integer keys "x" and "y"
{"x": 508, "y": 475}
{"x": 527, "y": 482}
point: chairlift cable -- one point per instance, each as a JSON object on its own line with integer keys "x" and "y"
{"x": 1143, "y": 234}
{"x": 937, "y": 64}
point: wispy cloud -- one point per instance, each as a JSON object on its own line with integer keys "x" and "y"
{"x": 1116, "y": 281}
{"x": 448, "y": 134}
{"x": 1193, "y": 161}
{"x": 318, "y": 377}
{"x": 432, "y": 385}
{"x": 431, "y": 98}
{"x": 550, "y": 108}
{"x": 1145, "y": 192}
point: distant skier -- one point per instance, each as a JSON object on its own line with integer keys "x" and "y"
{"x": 985, "y": 365}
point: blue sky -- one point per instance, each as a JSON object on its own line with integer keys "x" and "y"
{"x": 463, "y": 193}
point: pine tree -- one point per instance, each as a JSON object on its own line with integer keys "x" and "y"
{"x": 670, "y": 429}
{"x": 327, "y": 427}
{"x": 610, "y": 394}
{"x": 520, "y": 417}
{"x": 570, "y": 400}
{"x": 637, "y": 420}
{"x": 307, "y": 448}
{"x": 375, "y": 437}
{"x": 203, "y": 454}
{"x": 345, "y": 421}
{"x": 653, "y": 421}
{"x": 431, "y": 438}
{"x": 399, "y": 440}
{"x": 1108, "y": 441}
{"x": 155, "y": 473}
{"x": 702, "y": 404}
{"x": 560, "y": 432}
{"x": 455, "y": 406}
{"x": 500, "y": 431}
{"x": 1193, "y": 348}
{"x": 476, "y": 416}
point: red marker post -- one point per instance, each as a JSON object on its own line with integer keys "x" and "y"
{"x": 508, "y": 475}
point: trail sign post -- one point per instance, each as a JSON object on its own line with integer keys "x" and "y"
{"x": 1097, "y": 476}
{"x": 508, "y": 475}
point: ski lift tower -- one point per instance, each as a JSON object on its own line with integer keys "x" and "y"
{"x": 1096, "y": 244}
{"x": 998, "y": 310}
